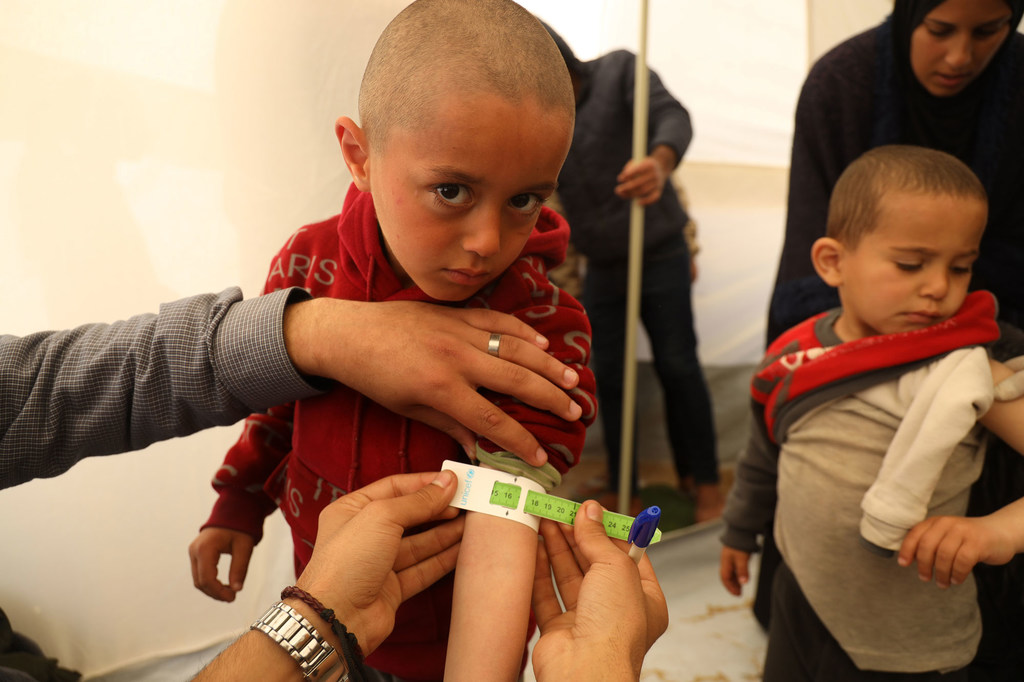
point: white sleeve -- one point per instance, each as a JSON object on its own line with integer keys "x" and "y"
{"x": 945, "y": 408}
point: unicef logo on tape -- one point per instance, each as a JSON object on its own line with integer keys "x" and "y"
{"x": 469, "y": 486}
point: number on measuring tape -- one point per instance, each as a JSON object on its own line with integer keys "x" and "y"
{"x": 550, "y": 507}
{"x": 564, "y": 511}
{"x": 505, "y": 495}
{"x": 508, "y": 495}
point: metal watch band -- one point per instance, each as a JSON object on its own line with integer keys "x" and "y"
{"x": 318, "y": 660}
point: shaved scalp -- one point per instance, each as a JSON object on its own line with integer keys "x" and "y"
{"x": 437, "y": 48}
{"x": 857, "y": 196}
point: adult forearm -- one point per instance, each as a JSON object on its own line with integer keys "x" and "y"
{"x": 255, "y": 656}
{"x": 669, "y": 121}
{"x": 666, "y": 157}
{"x": 101, "y": 389}
{"x": 361, "y": 582}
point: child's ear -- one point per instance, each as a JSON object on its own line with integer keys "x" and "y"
{"x": 356, "y": 150}
{"x": 827, "y": 256}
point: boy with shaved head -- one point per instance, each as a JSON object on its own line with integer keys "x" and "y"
{"x": 467, "y": 113}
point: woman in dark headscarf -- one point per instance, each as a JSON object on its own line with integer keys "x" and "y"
{"x": 965, "y": 96}
{"x": 946, "y": 74}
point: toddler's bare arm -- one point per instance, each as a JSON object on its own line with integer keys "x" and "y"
{"x": 1006, "y": 416}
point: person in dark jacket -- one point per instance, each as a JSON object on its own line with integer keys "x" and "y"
{"x": 597, "y": 182}
{"x": 866, "y": 92}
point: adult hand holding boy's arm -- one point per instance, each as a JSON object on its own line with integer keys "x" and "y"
{"x": 946, "y": 548}
{"x": 427, "y": 361}
{"x": 614, "y": 608}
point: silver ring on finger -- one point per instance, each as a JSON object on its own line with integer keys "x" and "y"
{"x": 494, "y": 344}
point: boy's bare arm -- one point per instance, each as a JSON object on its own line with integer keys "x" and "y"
{"x": 1006, "y": 417}
{"x": 491, "y": 606}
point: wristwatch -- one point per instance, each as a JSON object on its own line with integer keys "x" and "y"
{"x": 319, "y": 661}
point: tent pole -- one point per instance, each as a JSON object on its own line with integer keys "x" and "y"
{"x": 809, "y": 21}
{"x": 636, "y": 248}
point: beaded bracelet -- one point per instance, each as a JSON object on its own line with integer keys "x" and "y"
{"x": 349, "y": 644}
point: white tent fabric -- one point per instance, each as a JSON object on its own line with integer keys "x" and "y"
{"x": 152, "y": 151}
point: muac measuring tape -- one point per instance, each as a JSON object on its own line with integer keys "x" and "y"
{"x": 502, "y": 494}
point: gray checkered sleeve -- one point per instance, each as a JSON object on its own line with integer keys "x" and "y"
{"x": 101, "y": 389}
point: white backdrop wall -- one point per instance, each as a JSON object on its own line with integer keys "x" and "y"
{"x": 150, "y": 152}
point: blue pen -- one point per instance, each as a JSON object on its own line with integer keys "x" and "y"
{"x": 642, "y": 532}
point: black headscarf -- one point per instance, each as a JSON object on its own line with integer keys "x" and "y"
{"x": 945, "y": 123}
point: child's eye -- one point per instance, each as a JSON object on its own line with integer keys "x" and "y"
{"x": 908, "y": 267}
{"x": 526, "y": 203}
{"x": 452, "y": 193}
{"x": 961, "y": 269}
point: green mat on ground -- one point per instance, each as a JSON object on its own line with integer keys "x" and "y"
{"x": 676, "y": 508}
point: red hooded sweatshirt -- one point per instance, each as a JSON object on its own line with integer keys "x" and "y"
{"x": 301, "y": 456}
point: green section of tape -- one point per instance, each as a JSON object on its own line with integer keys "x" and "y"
{"x": 505, "y": 495}
{"x": 551, "y": 507}
{"x": 559, "y": 509}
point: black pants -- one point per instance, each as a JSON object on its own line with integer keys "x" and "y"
{"x": 801, "y": 649}
{"x": 666, "y": 310}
